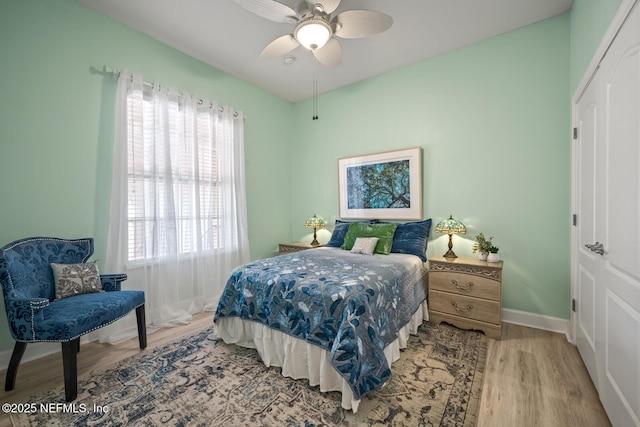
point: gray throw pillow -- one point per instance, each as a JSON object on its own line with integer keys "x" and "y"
{"x": 76, "y": 279}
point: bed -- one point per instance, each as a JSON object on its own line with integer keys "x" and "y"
{"x": 334, "y": 315}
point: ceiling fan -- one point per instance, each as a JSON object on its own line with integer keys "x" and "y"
{"x": 315, "y": 28}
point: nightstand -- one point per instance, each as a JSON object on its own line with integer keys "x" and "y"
{"x": 466, "y": 293}
{"x": 285, "y": 248}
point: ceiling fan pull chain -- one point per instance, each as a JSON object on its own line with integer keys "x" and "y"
{"x": 315, "y": 89}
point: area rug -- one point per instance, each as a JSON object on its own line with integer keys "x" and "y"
{"x": 201, "y": 381}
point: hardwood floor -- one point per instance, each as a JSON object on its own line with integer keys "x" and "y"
{"x": 537, "y": 378}
{"x": 532, "y": 378}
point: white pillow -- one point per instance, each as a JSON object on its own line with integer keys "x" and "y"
{"x": 364, "y": 245}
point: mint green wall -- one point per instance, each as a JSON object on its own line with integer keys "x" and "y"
{"x": 56, "y": 124}
{"x": 589, "y": 21}
{"x": 493, "y": 120}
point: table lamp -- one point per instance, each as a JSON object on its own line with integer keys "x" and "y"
{"x": 451, "y": 226}
{"x": 315, "y": 223}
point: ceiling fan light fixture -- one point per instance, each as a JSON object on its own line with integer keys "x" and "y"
{"x": 312, "y": 33}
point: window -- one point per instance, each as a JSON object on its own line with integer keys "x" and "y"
{"x": 178, "y": 214}
{"x": 173, "y": 175}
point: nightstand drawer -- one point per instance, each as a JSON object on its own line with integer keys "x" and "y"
{"x": 459, "y": 305}
{"x": 465, "y": 284}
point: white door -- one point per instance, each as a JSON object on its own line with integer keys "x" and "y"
{"x": 588, "y": 321}
{"x": 607, "y": 202}
{"x": 620, "y": 71}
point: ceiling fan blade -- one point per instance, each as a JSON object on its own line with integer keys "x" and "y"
{"x": 329, "y": 55}
{"x": 353, "y": 24}
{"x": 280, "y": 46}
{"x": 328, "y": 6}
{"x": 269, "y": 9}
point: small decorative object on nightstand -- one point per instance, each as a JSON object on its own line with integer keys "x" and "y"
{"x": 466, "y": 293}
{"x": 451, "y": 226}
{"x": 482, "y": 246}
{"x": 493, "y": 254}
{"x": 285, "y": 248}
{"x": 315, "y": 223}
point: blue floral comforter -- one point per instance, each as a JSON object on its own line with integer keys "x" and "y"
{"x": 350, "y": 304}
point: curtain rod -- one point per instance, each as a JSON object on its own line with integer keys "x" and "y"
{"x": 116, "y": 73}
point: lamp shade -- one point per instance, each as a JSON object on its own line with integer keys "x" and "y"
{"x": 314, "y": 222}
{"x": 451, "y": 226}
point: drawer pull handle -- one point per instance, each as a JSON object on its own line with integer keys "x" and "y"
{"x": 463, "y": 287}
{"x": 466, "y": 309}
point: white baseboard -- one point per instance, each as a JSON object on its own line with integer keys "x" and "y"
{"x": 537, "y": 321}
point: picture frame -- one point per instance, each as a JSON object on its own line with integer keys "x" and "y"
{"x": 386, "y": 185}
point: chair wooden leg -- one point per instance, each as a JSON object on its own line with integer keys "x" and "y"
{"x": 70, "y": 366}
{"x": 142, "y": 326}
{"x": 12, "y": 370}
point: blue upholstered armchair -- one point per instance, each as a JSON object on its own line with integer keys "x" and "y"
{"x": 51, "y": 294}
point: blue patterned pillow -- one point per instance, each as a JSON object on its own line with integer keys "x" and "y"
{"x": 412, "y": 238}
{"x": 340, "y": 230}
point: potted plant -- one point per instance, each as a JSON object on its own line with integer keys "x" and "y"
{"x": 482, "y": 246}
{"x": 493, "y": 254}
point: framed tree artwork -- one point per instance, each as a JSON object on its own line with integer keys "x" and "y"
{"x": 384, "y": 185}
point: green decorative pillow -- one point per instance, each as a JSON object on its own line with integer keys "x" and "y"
{"x": 76, "y": 279}
{"x": 384, "y": 233}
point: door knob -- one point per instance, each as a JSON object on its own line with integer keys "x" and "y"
{"x": 596, "y": 247}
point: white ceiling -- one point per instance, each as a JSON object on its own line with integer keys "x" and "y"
{"x": 226, "y": 36}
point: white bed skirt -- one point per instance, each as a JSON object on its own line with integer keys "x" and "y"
{"x": 298, "y": 359}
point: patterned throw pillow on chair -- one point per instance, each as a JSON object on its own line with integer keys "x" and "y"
{"x": 76, "y": 279}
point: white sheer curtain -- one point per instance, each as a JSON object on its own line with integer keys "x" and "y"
{"x": 178, "y": 221}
